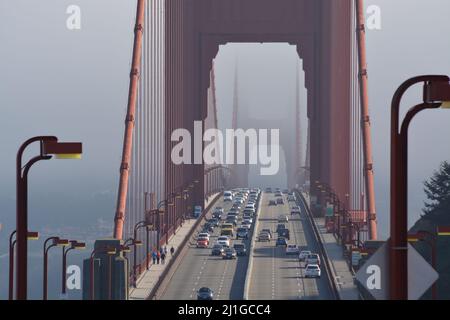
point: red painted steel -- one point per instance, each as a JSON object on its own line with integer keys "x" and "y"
{"x": 129, "y": 122}
{"x": 366, "y": 128}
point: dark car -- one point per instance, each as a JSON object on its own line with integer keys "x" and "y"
{"x": 280, "y": 201}
{"x": 229, "y": 253}
{"x": 268, "y": 231}
{"x": 269, "y": 190}
{"x": 284, "y": 233}
{"x": 208, "y": 228}
{"x": 285, "y": 191}
{"x": 232, "y": 219}
{"x": 280, "y": 226}
{"x": 272, "y": 203}
{"x": 205, "y": 294}
{"x": 217, "y": 250}
{"x": 281, "y": 242}
{"x": 242, "y": 233}
{"x": 240, "y": 249}
{"x": 214, "y": 222}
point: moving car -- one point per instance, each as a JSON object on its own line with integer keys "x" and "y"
{"x": 280, "y": 201}
{"x": 208, "y": 227}
{"x": 292, "y": 249}
{"x": 269, "y": 190}
{"x": 284, "y": 233}
{"x": 227, "y": 196}
{"x": 281, "y": 242}
{"x": 268, "y": 231}
{"x": 242, "y": 233}
{"x": 229, "y": 232}
{"x": 272, "y": 203}
{"x": 291, "y": 198}
{"x": 202, "y": 243}
{"x": 285, "y": 191}
{"x": 217, "y": 250}
{"x": 283, "y": 218}
{"x": 303, "y": 255}
{"x": 247, "y": 219}
{"x": 229, "y": 253}
{"x": 214, "y": 222}
{"x": 226, "y": 225}
{"x": 240, "y": 248}
{"x": 224, "y": 241}
{"x": 247, "y": 225}
{"x": 264, "y": 236}
{"x": 203, "y": 235}
{"x": 280, "y": 226}
{"x": 249, "y": 212}
{"x": 205, "y": 294}
{"x": 295, "y": 210}
{"x": 278, "y": 194}
{"x": 313, "y": 258}
{"x": 312, "y": 271}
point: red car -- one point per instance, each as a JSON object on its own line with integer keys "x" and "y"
{"x": 202, "y": 243}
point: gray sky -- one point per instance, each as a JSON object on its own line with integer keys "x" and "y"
{"x": 74, "y": 84}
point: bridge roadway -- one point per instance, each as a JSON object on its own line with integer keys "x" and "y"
{"x": 274, "y": 275}
{"x": 199, "y": 269}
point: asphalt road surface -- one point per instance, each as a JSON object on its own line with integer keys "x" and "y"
{"x": 275, "y": 275}
{"x": 199, "y": 269}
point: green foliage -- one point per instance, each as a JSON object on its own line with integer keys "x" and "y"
{"x": 437, "y": 190}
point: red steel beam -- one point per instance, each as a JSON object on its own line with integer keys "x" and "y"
{"x": 119, "y": 218}
{"x": 366, "y": 128}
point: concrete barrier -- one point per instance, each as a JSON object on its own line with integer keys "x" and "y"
{"x": 250, "y": 255}
{"x": 328, "y": 268}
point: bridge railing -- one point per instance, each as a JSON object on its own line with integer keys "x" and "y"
{"x": 323, "y": 252}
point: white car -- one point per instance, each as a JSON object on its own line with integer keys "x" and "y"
{"x": 203, "y": 235}
{"x": 313, "y": 258}
{"x": 247, "y": 225}
{"x": 247, "y": 219}
{"x": 312, "y": 271}
{"x": 224, "y": 241}
{"x": 227, "y": 196}
{"x": 292, "y": 249}
{"x": 250, "y": 206}
{"x": 303, "y": 255}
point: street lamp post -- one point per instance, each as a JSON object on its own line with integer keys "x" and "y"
{"x": 49, "y": 146}
{"x": 74, "y": 245}
{"x": 56, "y": 241}
{"x": 12, "y": 243}
{"x": 436, "y": 93}
{"x": 139, "y": 225}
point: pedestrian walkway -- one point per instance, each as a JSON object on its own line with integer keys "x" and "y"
{"x": 149, "y": 278}
{"x": 340, "y": 269}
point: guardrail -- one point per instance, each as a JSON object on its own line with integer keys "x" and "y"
{"x": 250, "y": 250}
{"x": 183, "y": 248}
{"x": 328, "y": 268}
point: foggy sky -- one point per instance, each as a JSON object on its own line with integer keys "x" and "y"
{"x": 74, "y": 84}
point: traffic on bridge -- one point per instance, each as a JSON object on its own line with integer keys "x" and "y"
{"x": 232, "y": 153}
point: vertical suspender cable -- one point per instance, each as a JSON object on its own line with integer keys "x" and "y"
{"x": 366, "y": 128}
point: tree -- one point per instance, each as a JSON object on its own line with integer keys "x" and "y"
{"x": 437, "y": 190}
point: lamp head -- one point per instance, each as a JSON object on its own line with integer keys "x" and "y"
{"x": 79, "y": 245}
{"x": 32, "y": 235}
{"x": 62, "y": 242}
{"x": 63, "y": 150}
